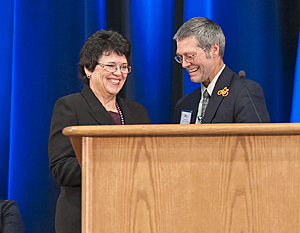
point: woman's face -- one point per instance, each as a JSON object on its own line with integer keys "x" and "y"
{"x": 107, "y": 84}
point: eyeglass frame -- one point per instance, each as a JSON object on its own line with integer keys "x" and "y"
{"x": 179, "y": 59}
{"x": 103, "y": 65}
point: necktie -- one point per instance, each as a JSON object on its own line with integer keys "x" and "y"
{"x": 204, "y": 103}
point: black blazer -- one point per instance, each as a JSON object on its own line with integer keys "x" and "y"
{"x": 78, "y": 109}
{"x": 245, "y": 102}
{"x": 10, "y": 217}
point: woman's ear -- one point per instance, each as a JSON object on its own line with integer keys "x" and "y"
{"x": 87, "y": 72}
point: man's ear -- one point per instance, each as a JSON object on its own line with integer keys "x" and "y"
{"x": 215, "y": 50}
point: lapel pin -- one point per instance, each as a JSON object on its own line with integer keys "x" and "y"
{"x": 223, "y": 92}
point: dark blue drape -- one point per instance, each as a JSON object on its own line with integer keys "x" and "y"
{"x": 6, "y": 45}
{"x": 40, "y": 43}
{"x": 295, "y": 114}
{"x": 151, "y": 25}
{"x": 47, "y": 37}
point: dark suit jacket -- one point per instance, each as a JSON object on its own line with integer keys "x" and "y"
{"x": 79, "y": 109}
{"x": 11, "y": 220}
{"x": 245, "y": 102}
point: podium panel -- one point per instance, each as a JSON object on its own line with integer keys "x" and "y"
{"x": 193, "y": 178}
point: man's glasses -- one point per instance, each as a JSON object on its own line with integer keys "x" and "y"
{"x": 188, "y": 58}
{"x": 113, "y": 68}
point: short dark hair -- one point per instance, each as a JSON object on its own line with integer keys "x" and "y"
{"x": 102, "y": 42}
{"x": 206, "y": 31}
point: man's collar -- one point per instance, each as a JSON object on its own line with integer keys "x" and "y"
{"x": 212, "y": 84}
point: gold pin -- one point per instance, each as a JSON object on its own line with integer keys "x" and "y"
{"x": 223, "y": 92}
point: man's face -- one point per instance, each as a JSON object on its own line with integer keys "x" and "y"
{"x": 201, "y": 69}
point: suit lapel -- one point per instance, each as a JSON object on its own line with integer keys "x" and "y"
{"x": 97, "y": 111}
{"x": 192, "y": 103}
{"x": 215, "y": 100}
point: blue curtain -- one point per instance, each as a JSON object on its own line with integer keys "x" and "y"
{"x": 40, "y": 43}
{"x": 295, "y": 114}
{"x": 151, "y": 25}
{"x": 6, "y": 47}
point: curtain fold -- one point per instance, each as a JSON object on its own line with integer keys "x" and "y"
{"x": 295, "y": 113}
{"x": 46, "y": 42}
{"x": 152, "y": 25}
{"x": 6, "y": 48}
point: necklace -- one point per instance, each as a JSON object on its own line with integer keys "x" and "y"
{"x": 120, "y": 113}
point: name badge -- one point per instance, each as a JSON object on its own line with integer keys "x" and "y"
{"x": 185, "y": 117}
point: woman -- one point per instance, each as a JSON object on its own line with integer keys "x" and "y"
{"x": 103, "y": 67}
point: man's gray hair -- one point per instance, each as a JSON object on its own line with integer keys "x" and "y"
{"x": 206, "y": 31}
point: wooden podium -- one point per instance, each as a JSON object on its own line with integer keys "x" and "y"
{"x": 189, "y": 178}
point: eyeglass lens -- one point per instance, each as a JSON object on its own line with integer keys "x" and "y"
{"x": 114, "y": 68}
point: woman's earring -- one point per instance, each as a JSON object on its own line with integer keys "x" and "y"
{"x": 88, "y": 76}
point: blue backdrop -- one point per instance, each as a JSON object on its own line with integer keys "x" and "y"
{"x": 295, "y": 114}
{"x": 40, "y": 43}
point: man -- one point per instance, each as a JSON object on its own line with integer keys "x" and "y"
{"x": 223, "y": 97}
{"x": 11, "y": 220}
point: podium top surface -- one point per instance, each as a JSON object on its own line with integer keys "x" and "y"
{"x": 183, "y": 130}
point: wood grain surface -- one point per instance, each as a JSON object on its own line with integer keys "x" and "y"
{"x": 200, "y": 182}
{"x": 183, "y": 130}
